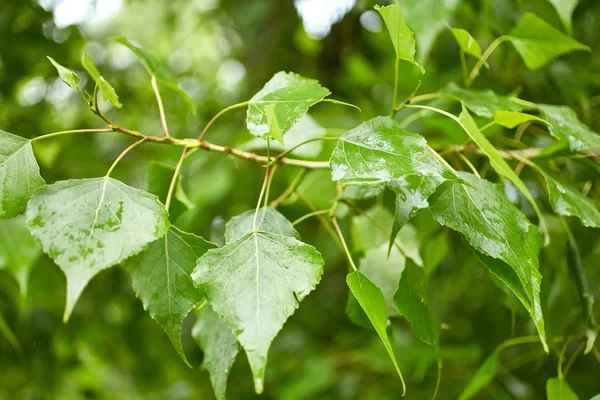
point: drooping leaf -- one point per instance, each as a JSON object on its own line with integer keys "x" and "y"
{"x": 402, "y": 37}
{"x": 108, "y": 92}
{"x": 255, "y": 283}
{"x": 559, "y": 389}
{"x": 290, "y": 95}
{"x": 160, "y": 277}
{"x": 482, "y": 377}
{"x": 356, "y": 314}
{"x": 379, "y": 151}
{"x": 274, "y": 129}
{"x": 466, "y": 42}
{"x": 87, "y": 225}
{"x": 484, "y": 103}
{"x": 510, "y": 119}
{"x": 159, "y": 177}
{"x": 157, "y": 68}
{"x": 565, "y": 9}
{"x": 566, "y": 127}
{"x": 267, "y": 220}
{"x": 569, "y": 202}
{"x": 372, "y": 302}
{"x": 220, "y": 348}
{"x": 66, "y": 75}
{"x": 411, "y": 300}
{"x": 18, "y": 250}
{"x": 495, "y": 227}
{"x": 19, "y": 174}
{"x": 538, "y": 42}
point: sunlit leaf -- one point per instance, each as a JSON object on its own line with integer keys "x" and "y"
{"x": 65, "y": 74}
{"x": 566, "y": 127}
{"x": 19, "y": 174}
{"x": 538, "y": 42}
{"x": 18, "y": 250}
{"x": 510, "y": 119}
{"x": 559, "y": 389}
{"x": 108, "y": 92}
{"x": 569, "y": 202}
{"x": 87, "y": 225}
{"x": 160, "y": 277}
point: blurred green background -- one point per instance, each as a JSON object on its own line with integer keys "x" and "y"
{"x": 224, "y": 51}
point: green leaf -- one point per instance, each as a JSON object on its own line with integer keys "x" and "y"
{"x": 484, "y": 103}
{"x": 108, "y": 92}
{"x": 290, "y": 95}
{"x": 466, "y": 42}
{"x": 220, "y": 348}
{"x": 10, "y": 336}
{"x": 510, "y": 119}
{"x": 566, "y": 127}
{"x": 157, "y": 68}
{"x": 402, "y": 37}
{"x": 559, "y": 389}
{"x": 372, "y": 302}
{"x": 274, "y": 129}
{"x": 569, "y": 202}
{"x": 494, "y": 226}
{"x": 267, "y": 220}
{"x": 87, "y": 225}
{"x": 565, "y": 9}
{"x": 362, "y": 192}
{"x": 379, "y": 151}
{"x": 482, "y": 377}
{"x": 19, "y": 174}
{"x": 538, "y": 42}
{"x": 384, "y": 272}
{"x": 18, "y": 250}
{"x": 411, "y": 300}
{"x": 65, "y": 74}
{"x": 255, "y": 283}
{"x": 160, "y": 277}
{"x": 159, "y": 177}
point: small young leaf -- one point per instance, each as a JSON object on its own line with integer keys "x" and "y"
{"x": 484, "y": 103}
{"x": 495, "y": 227}
{"x": 565, "y": 9}
{"x": 379, "y": 151}
{"x": 161, "y": 279}
{"x": 538, "y": 42}
{"x": 510, "y": 119}
{"x": 402, "y": 37}
{"x": 571, "y": 203}
{"x": 19, "y": 174}
{"x": 156, "y": 67}
{"x": 18, "y": 250}
{"x": 559, "y": 389}
{"x": 108, "y": 92}
{"x": 66, "y": 75}
{"x": 159, "y": 177}
{"x": 267, "y": 220}
{"x": 466, "y": 42}
{"x": 290, "y": 95}
{"x": 566, "y": 127}
{"x": 372, "y": 302}
{"x": 274, "y": 129}
{"x": 220, "y": 348}
{"x": 87, "y": 225}
{"x": 255, "y": 283}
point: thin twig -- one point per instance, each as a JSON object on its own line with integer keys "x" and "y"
{"x": 174, "y": 179}
{"x": 161, "y": 109}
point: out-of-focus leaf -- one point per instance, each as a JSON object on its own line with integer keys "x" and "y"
{"x": 161, "y": 279}
{"x": 566, "y": 127}
{"x": 482, "y": 377}
{"x": 402, "y": 37}
{"x": 538, "y": 42}
{"x": 570, "y": 202}
{"x": 220, "y": 348}
{"x": 565, "y": 9}
{"x": 108, "y": 92}
{"x": 559, "y": 389}
{"x": 19, "y": 174}
{"x": 159, "y": 177}
{"x": 510, "y": 119}
{"x": 362, "y": 192}
{"x": 484, "y": 103}
{"x": 372, "y": 302}
{"x": 267, "y": 220}
{"x": 18, "y": 250}
{"x": 466, "y": 42}
{"x": 87, "y": 225}
{"x": 66, "y": 75}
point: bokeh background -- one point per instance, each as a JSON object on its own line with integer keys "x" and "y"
{"x": 223, "y": 52}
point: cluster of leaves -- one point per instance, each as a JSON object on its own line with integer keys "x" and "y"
{"x": 246, "y": 289}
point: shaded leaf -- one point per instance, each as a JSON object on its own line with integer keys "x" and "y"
{"x": 538, "y": 42}
{"x": 87, "y": 225}
{"x": 267, "y": 220}
{"x": 510, "y": 119}
{"x": 566, "y": 127}
{"x": 255, "y": 283}
{"x": 19, "y": 174}
{"x": 379, "y": 151}
{"x": 159, "y": 176}
{"x": 289, "y": 95}
{"x": 484, "y": 103}
{"x": 160, "y": 277}
{"x": 66, "y": 75}
{"x": 108, "y": 92}
{"x": 362, "y": 192}
{"x": 482, "y": 377}
{"x": 466, "y": 42}
{"x": 18, "y": 250}
{"x": 559, "y": 389}
{"x": 372, "y": 302}
{"x": 570, "y": 202}
{"x": 220, "y": 348}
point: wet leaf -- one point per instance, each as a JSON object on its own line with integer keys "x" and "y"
{"x": 267, "y": 220}
{"x": 569, "y": 202}
{"x": 566, "y": 127}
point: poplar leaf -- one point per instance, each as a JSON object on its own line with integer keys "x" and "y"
{"x": 65, "y": 74}
{"x": 19, "y": 174}
{"x": 18, "y": 250}
{"x": 510, "y": 119}
{"x": 569, "y": 202}
{"x": 87, "y": 225}
{"x": 108, "y": 92}
{"x": 268, "y": 219}
{"x": 484, "y": 103}
{"x": 566, "y": 127}
{"x": 161, "y": 279}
